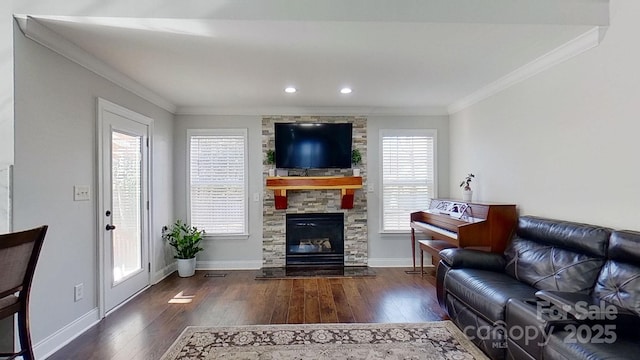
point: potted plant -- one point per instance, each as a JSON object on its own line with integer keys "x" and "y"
{"x": 185, "y": 239}
{"x": 356, "y": 159}
{"x": 467, "y": 193}
{"x": 271, "y": 160}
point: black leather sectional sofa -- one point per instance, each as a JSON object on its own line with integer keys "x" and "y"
{"x": 561, "y": 290}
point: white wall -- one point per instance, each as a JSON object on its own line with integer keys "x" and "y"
{"x": 6, "y": 118}
{"x": 6, "y": 91}
{"x": 55, "y": 149}
{"x": 141, "y": 8}
{"x": 220, "y": 252}
{"x": 162, "y": 186}
{"x": 387, "y": 249}
{"x": 563, "y": 144}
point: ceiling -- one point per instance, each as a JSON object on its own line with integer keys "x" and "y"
{"x": 209, "y": 63}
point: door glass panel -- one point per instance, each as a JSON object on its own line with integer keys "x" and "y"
{"x": 126, "y": 173}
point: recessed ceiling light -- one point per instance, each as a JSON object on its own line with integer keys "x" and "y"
{"x": 345, "y": 90}
{"x": 290, "y": 90}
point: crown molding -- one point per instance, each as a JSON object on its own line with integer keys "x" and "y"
{"x": 46, "y": 37}
{"x": 302, "y": 110}
{"x": 582, "y": 43}
{"x": 43, "y": 35}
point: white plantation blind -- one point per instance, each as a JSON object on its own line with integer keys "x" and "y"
{"x": 408, "y": 175}
{"x": 218, "y": 180}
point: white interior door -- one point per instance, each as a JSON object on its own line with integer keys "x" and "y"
{"x": 123, "y": 210}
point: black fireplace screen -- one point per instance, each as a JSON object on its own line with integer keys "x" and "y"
{"x": 315, "y": 239}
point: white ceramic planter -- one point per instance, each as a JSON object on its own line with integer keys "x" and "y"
{"x": 272, "y": 172}
{"x": 356, "y": 172}
{"x": 467, "y": 195}
{"x": 186, "y": 267}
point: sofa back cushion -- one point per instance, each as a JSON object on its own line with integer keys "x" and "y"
{"x": 557, "y": 255}
{"x": 619, "y": 280}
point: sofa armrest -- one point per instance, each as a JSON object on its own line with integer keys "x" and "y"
{"x": 585, "y": 307}
{"x": 526, "y": 312}
{"x": 475, "y": 259}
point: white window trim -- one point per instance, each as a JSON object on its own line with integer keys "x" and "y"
{"x": 239, "y": 131}
{"x": 404, "y": 132}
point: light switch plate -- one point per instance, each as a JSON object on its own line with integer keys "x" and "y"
{"x": 81, "y": 193}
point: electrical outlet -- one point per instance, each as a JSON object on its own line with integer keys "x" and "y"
{"x": 256, "y": 196}
{"x": 78, "y": 292}
{"x": 370, "y": 188}
{"x": 81, "y": 193}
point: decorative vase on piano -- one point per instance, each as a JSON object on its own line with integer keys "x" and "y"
{"x": 466, "y": 187}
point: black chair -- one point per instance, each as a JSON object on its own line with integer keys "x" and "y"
{"x": 19, "y": 253}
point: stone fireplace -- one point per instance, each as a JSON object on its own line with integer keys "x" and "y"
{"x": 315, "y": 239}
{"x": 274, "y": 247}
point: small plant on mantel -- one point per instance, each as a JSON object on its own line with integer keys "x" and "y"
{"x": 356, "y": 158}
{"x": 270, "y": 159}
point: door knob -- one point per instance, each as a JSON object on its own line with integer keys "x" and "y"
{"x": 110, "y": 227}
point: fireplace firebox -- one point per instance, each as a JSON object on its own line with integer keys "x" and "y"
{"x": 315, "y": 239}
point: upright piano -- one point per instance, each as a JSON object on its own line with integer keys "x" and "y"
{"x": 452, "y": 223}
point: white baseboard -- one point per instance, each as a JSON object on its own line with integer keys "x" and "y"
{"x": 62, "y": 337}
{"x": 257, "y": 264}
{"x": 395, "y": 262}
{"x": 229, "y": 265}
{"x": 163, "y": 273}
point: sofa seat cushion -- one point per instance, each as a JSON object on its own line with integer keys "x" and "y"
{"x": 562, "y": 346}
{"x": 486, "y": 292}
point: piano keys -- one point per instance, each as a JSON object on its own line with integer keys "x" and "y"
{"x": 482, "y": 226}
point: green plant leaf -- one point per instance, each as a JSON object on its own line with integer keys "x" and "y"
{"x": 356, "y": 157}
{"x": 270, "y": 157}
{"x": 184, "y": 239}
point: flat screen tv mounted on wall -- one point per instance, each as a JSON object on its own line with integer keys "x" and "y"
{"x": 313, "y": 145}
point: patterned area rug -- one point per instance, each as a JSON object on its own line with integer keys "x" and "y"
{"x": 434, "y": 340}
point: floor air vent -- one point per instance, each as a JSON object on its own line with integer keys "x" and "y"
{"x": 215, "y": 275}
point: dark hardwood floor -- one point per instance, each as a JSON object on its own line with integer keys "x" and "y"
{"x": 145, "y": 327}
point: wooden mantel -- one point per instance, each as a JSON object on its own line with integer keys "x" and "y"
{"x": 346, "y": 184}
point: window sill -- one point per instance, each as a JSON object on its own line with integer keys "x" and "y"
{"x": 395, "y": 233}
{"x": 226, "y": 236}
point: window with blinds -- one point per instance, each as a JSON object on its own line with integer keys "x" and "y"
{"x": 408, "y": 175}
{"x": 218, "y": 181}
